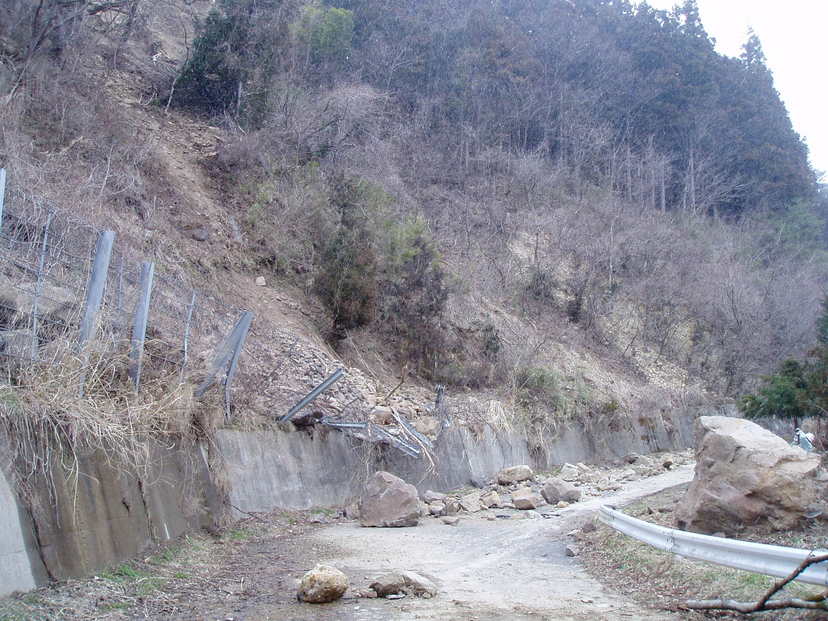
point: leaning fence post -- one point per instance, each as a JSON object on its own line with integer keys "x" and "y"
{"x": 2, "y": 193}
{"x": 41, "y": 264}
{"x": 94, "y": 294}
{"x": 186, "y": 344}
{"x": 139, "y": 324}
{"x": 313, "y": 394}
{"x": 227, "y": 357}
{"x": 243, "y": 328}
{"x": 95, "y": 287}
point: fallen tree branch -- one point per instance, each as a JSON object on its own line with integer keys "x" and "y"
{"x": 819, "y": 603}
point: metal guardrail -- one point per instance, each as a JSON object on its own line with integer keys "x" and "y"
{"x": 760, "y": 558}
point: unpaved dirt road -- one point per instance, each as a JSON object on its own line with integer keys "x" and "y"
{"x": 485, "y": 570}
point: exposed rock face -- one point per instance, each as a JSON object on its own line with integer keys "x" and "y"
{"x": 746, "y": 475}
{"x": 514, "y": 474}
{"x": 555, "y": 490}
{"x": 389, "y": 501}
{"x": 322, "y": 584}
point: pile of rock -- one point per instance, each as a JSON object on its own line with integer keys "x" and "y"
{"x": 390, "y": 501}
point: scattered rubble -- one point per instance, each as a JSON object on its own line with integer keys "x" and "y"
{"x": 518, "y": 488}
{"x": 322, "y": 584}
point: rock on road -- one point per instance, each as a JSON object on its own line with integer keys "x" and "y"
{"x": 489, "y": 570}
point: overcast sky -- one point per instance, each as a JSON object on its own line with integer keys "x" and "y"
{"x": 794, "y": 35}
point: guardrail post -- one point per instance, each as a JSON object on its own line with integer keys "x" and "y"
{"x": 139, "y": 324}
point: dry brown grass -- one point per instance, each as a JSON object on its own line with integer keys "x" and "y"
{"x": 48, "y": 422}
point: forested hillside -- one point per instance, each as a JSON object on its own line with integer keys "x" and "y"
{"x": 459, "y": 184}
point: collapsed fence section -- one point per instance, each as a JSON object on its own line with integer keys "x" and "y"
{"x": 67, "y": 292}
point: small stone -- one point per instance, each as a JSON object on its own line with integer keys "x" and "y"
{"x": 430, "y": 496}
{"x": 490, "y": 499}
{"x": 514, "y": 474}
{"x": 470, "y": 502}
{"x": 562, "y": 504}
{"x": 323, "y": 583}
{"x": 260, "y": 281}
{"x": 437, "y": 509}
{"x": 531, "y": 515}
{"x": 452, "y": 506}
{"x": 524, "y": 498}
{"x": 569, "y": 472}
{"x": 572, "y": 550}
{"x": 419, "y": 585}
{"x": 451, "y": 520}
{"x": 589, "y": 527}
{"x": 388, "y": 584}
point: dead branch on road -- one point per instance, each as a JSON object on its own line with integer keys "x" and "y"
{"x": 818, "y": 602}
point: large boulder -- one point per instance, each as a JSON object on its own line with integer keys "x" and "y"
{"x": 322, "y": 584}
{"x": 514, "y": 474}
{"x": 746, "y": 475}
{"x": 389, "y": 501}
{"x": 554, "y": 490}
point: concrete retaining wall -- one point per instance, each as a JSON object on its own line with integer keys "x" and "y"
{"x": 74, "y": 525}
{"x": 20, "y": 566}
{"x": 321, "y": 467}
{"x": 100, "y": 515}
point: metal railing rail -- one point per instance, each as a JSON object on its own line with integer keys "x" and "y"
{"x": 760, "y": 558}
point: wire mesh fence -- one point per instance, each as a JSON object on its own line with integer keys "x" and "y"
{"x": 66, "y": 288}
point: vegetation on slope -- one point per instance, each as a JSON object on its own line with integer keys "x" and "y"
{"x": 428, "y": 169}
